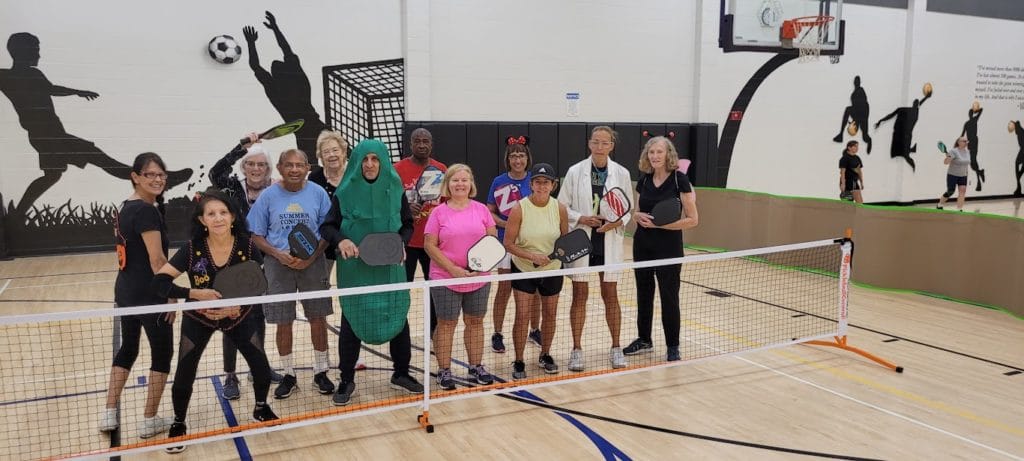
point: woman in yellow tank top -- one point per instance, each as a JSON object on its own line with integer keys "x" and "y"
{"x": 533, "y": 225}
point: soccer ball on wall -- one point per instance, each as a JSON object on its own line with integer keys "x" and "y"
{"x": 224, "y": 49}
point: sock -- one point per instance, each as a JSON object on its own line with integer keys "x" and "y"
{"x": 289, "y": 368}
{"x": 320, "y": 361}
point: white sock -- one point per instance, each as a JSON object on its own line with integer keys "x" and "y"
{"x": 289, "y": 368}
{"x": 321, "y": 364}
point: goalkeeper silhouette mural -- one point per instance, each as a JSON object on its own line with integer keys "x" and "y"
{"x": 32, "y": 94}
{"x": 287, "y": 86}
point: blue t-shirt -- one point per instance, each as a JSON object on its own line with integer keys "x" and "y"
{"x": 277, "y": 211}
{"x": 504, "y": 194}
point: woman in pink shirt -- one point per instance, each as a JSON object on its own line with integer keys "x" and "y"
{"x": 452, "y": 228}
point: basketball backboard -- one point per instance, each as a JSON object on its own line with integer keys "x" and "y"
{"x": 757, "y": 25}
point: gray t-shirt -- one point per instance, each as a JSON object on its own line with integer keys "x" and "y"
{"x": 961, "y": 161}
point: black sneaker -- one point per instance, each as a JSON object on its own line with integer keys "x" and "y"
{"x": 518, "y": 370}
{"x": 275, "y": 377}
{"x": 498, "y": 343}
{"x": 285, "y": 389}
{"x": 345, "y": 393}
{"x": 323, "y": 384}
{"x": 673, "y": 354}
{"x": 231, "y": 390}
{"x": 406, "y": 383}
{"x": 637, "y": 346}
{"x": 480, "y": 375}
{"x": 548, "y": 364}
{"x": 177, "y": 430}
{"x": 445, "y": 380}
{"x": 536, "y": 338}
{"x": 263, "y": 413}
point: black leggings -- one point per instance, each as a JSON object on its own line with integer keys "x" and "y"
{"x": 231, "y": 352}
{"x": 668, "y": 288}
{"x": 161, "y": 341}
{"x": 194, "y": 338}
{"x": 349, "y": 345}
{"x": 419, "y": 256}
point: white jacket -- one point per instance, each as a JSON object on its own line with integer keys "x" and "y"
{"x": 577, "y": 195}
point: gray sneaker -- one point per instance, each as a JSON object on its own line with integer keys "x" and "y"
{"x": 547, "y": 364}
{"x": 445, "y": 380}
{"x": 150, "y": 427}
{"x": 518, "y": 370}
{"x": 344, "y": 394}
{"x": 230, "y": 390}
{"x": 576, "y": 360}
{"x": 480, "y": 375}
{"x": 406, "y": 383}
{"x": 617, "y": 358}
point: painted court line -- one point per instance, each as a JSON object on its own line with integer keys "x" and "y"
{"x": 3, "y": 288}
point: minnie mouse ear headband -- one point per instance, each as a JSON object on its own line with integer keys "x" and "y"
{"x": 669, "y": 135}
{"x": 517, "y": 140}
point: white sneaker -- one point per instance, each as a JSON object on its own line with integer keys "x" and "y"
{"x": 108, "y": 420}
{"x": 360, "y": 364}
{"x": 150, "y": 427}
{"x": 617, "y": 358}
{"x": 576, "y": 360}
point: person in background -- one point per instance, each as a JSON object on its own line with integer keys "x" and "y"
{"x": 959, "y": 159}
{"x": 851, "y": 175}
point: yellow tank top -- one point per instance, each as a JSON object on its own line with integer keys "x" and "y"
{"x": 538, "y": 231}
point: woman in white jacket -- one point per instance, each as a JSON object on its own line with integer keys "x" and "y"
{"x": 584, "y": 185}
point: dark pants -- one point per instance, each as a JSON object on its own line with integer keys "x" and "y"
{"x": 413, "y": 256}
{"x": 668, "y": 288}
{"x": 194, "y": 338}
{"x": 161, "y": 341}
{"x": 231, "y": 352}
{"x": 349, "y": 346}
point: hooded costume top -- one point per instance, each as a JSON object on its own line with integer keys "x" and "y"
{"x": 370, "y": 207}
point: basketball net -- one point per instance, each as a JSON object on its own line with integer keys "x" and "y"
{"x": 807, "y": 35}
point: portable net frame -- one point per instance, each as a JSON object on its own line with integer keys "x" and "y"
{"x": 56, "y": 365}
{"x": 807, "y": 34}
{"x": 367, "y": 99}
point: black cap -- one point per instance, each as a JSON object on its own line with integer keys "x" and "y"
{"x": 543, "y": 170}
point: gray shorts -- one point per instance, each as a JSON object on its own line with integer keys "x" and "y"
{"x": 281, "y": 279}
{"x": 447, "y": 303}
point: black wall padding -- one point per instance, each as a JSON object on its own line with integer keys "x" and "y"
{"x": 627, "y": 150}
{"x": 486, "y": 148}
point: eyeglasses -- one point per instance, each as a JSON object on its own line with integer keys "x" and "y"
{"x": 152, "y": 175}
{"x": 596, "y": 143}
{"x": 255, "y": 164}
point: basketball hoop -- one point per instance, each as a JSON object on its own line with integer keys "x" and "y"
{"x": 799, "y": 33}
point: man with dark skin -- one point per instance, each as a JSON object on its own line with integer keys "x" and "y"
{"x": 32, "y": 94}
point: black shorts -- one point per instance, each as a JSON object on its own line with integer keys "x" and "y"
{"x": 853, "y": 185}
{"x": 546, "y": 286}
{"x": 953, "y": 181}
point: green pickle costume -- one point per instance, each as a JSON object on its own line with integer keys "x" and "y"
{"x": 368, "y": 208}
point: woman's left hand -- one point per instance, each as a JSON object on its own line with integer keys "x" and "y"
{"x": 644, "y": 220}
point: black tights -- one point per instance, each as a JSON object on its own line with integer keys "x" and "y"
{"x": 349, "y": 345}
{"x": 161, "y": 341}
{"x": 194, "y": 338}
{"x": 668, "y": 288}
{"x": 231, "y": 352}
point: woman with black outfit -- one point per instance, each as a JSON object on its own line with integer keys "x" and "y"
{"x": 220, "y": 239}
{"x": 660, "y": 180}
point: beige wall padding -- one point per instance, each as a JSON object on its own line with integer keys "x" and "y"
{"x": 966, "y": 256}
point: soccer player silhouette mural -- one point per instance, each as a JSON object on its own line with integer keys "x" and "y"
{"x": 287, "y": 86}
{"x": 32, "y": 94}
{"x": 903, "y": 130}
{"x": 971, "y": 131}
{"x": 856, "y": 113}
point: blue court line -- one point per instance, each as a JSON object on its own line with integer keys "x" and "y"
{"x": 229, "y": 416}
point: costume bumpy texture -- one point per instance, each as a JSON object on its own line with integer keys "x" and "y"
{"x": 368, "y": 208}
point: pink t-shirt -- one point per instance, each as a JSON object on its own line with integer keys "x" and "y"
{"x": 457, "y": 231}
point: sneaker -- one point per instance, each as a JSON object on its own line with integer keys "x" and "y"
{"x": 673, "y": 354}
{"x": 275, "y": 377}
{"x": 548, "y": 364}
{"x": 536, "y": 338}
{"x": 445, "y": 380}
{"x": 637, "y": 346}
{"x": 518, "y": 370}
{"x": 285, "y": 389}
{"x": 617, "y": 358}
{"x": 149, "y": 427}
{"x": 323, "y": 384}
{"x": 498, "y": 343}
{"x": 230, "y": 390}
{"x": 345, "y": 393}
{"x": 108, "y": 420}
{"x": 406, "y": 383}
{"x": 263, "y": 413}
{"x": 576, "y": 360}
{"x": 360, "y": 364}
{"x": 480, "y": 375}
{"x": 177, "y": 430}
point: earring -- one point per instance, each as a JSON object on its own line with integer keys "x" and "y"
{"x": 206, "y": 229}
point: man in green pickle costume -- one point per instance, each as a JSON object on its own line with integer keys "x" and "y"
{"x": 370, "y": 199}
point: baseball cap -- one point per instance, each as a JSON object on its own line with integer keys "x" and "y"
{"x": 543, "y": 170}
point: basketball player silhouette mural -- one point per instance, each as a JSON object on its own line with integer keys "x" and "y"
{"x": 32, "y": 94}
{"x": 1018, "y": 165}
{"x": 287, "y": 86}
{"x": 903, "y": 130}
{"x": 856, "y": 113}
{"x": 971, "y": 131}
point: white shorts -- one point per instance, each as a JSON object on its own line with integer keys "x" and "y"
{"x": 506, "y": 263}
